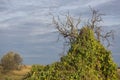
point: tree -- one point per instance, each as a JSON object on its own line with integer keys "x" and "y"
{"x": 11, "y": 61}
{"x": 87, "y": 58}
{"x": 70, "y": 27}
{"x": 87, "y": 44}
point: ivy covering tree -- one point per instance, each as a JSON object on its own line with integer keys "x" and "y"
{"x": 86, "y": 59}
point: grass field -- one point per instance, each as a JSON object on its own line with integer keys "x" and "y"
{"x": 19, "y": 74}
{"x": 119, "y": 73}
{"x": 15, "y": 74}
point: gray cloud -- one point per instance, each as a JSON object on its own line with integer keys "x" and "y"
{"x": 25, "y": 25}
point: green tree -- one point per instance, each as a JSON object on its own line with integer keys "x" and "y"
{"x": 86, "y": 59}
{"x": 11, "y": 61}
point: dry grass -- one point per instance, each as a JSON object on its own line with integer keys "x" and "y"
{"x": 15, "y": 74}
{"x": 119, "y": 73}
{"x": 18, "y": 74}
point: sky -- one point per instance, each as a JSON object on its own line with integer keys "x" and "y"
{"x": 26, "y": 26}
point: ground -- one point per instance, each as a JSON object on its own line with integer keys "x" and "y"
{"x": 119, "y": 73}
{"x": 15, "y": 74}
{"x": 18, "y": 74}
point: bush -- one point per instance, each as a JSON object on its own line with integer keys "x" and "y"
{"x": 87, "y": 59}
{"x": 11, "y": 61}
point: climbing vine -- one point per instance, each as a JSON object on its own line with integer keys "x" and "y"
{"x": 87, "y": 59}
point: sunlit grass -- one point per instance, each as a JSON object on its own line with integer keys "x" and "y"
{"x": 15, "y": 74}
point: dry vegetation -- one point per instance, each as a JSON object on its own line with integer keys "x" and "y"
{"x": 18, "y": 74}
{"x": 15, "y": 74}
{"x": 119, "y": 73}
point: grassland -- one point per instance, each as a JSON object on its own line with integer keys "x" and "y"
{"x": 15, "y": 74}
{"x": 19, "y": 74}
{"x": 119, "y": 73}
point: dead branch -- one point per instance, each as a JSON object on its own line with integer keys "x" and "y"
{"x": 68, "y": 28}
{"x": 93, "y": 24}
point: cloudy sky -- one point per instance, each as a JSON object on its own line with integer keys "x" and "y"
{"x": 25, "y": 26}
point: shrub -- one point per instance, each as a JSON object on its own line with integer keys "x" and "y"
{"x": 11, "y": 61}
{"x": 87, "y": 59}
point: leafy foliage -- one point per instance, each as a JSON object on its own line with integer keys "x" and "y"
{"x": 87, "y": 59}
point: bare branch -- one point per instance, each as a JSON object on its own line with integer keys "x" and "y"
{"x": 93, "y": 24}
{"x": 68, "y": 29}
